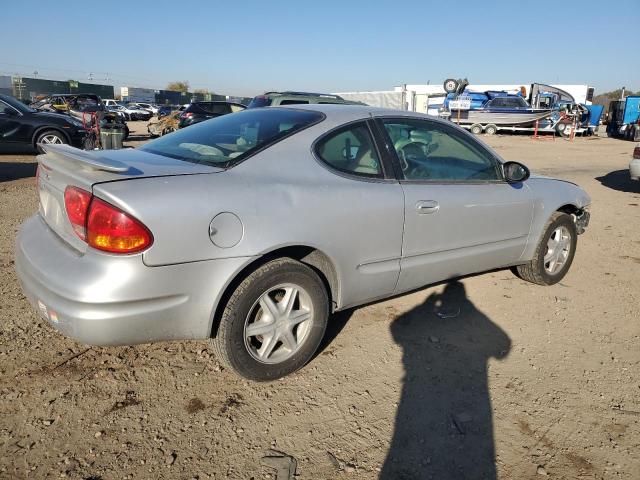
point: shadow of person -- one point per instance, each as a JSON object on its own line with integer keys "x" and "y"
{"x": 444, "y": 427}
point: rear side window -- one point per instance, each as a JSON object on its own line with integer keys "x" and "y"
{"x": 226, "y": 140}
{"x": 351, "y": 150}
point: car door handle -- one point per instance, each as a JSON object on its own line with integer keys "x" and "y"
{"x": 427, "y": 206}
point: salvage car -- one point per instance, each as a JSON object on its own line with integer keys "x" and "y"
{"x": 25, "y": 128}
{"x": 164, "y": 124}
{"x": 131, "y": 112}
{"x": 79, "y": 105}
{"x": 150, "y": 107}
{"x": 252, "y": 228}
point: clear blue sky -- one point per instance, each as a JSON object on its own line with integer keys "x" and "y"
{"x": 246, "y": 47}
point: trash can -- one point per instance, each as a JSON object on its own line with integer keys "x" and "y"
{"x": 111, "y": 137}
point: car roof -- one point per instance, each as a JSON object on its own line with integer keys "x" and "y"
{"x": 289, "y": 93}
{"x": 214, "y": 101}
{"x": 345, "y": 112}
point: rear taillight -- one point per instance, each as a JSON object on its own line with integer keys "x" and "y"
{"x": 636, "y": 152}
{"x": 186, "y": 115}
{"x": 104, "y": 226}
{"x": 112, "y": 230}
{"x": 76, "y": 202}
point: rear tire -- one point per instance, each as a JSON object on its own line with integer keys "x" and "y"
{"x": 558, "y": 241}
{"x": 490, "y": 129}
{"x": 564, "y": 129}
{"x": 265, "y": 303}
{"x": 50, "y": 137}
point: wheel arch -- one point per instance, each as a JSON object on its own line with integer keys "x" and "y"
{"x": 44, "y": 128}
{"x": 569, "y": 209}
{"x": 310, "y": 256}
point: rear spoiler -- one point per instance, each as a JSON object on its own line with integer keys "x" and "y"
{"x": 89, "y": 159}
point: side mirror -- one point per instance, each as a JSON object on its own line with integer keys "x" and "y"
{"x": 515, "y": 172}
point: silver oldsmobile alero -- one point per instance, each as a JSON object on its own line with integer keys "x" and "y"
{"x": 252, "y": 228}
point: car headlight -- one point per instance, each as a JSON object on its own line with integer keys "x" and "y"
{"x": 74, "y": 122}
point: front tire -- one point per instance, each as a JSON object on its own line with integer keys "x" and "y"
{"x": 554, "y": 253}
{"x": 476, "y": 129}
{"x": 50, "y": 137}
{"x": 273, "y": 322}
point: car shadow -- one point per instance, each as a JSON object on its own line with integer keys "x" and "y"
{"x": 620, "y": 180}
{"x": 16, "y": 170}
{"x": 443, "y": 426}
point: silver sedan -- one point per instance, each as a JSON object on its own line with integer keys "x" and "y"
{"x": 252, "y": 228}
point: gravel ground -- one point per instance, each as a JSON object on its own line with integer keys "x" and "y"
{"x": 487, "y": 377}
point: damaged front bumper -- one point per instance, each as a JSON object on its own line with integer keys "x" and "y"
{"x": 582, "y": 220}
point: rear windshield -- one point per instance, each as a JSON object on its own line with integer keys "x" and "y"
{"x": 226, "y": 140}
{"x": 260, "y": 101}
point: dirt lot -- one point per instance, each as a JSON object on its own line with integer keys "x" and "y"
{"x": 511, "y": 380}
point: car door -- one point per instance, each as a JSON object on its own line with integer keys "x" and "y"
{"x": 460, "y": 215}
{"x": 11, "y": 128}
{"x": 366, "y": 211}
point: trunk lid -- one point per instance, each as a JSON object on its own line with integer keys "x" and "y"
{"x": 63, "y": 165}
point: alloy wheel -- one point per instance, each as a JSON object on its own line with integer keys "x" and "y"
{"x": 51, "y": 139}
{"x": 278, "y": 323}
{"x": 558, "y": 249}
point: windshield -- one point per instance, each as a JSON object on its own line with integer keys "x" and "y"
{"x": 226, "y": 140}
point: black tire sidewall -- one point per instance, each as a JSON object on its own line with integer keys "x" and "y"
{"x": 562, "y": 220}
{"x": 238, "y": 309}
{"x": 450, "y": 90}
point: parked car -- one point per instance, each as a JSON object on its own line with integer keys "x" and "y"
{"x": 110, "y": 102}
{"x": 25, "y": 128}
{"x": 252, "y": 228}
{"x": 199, "y": 111}
{"x": 153, "y": 109}
{"x": 165, "y": 110}
{"x": 273, "y": 99}
{"x": 634, "y": 166}
{"x": 131, "y": 112}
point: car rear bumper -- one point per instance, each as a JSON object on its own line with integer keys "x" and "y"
{"x": 103, "y": 299}
{"x": 634, "y": 169}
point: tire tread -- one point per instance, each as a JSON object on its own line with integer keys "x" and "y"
{"x": 224, "y": 335}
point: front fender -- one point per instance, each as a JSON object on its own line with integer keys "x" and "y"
{"x": 550, "y": 195}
